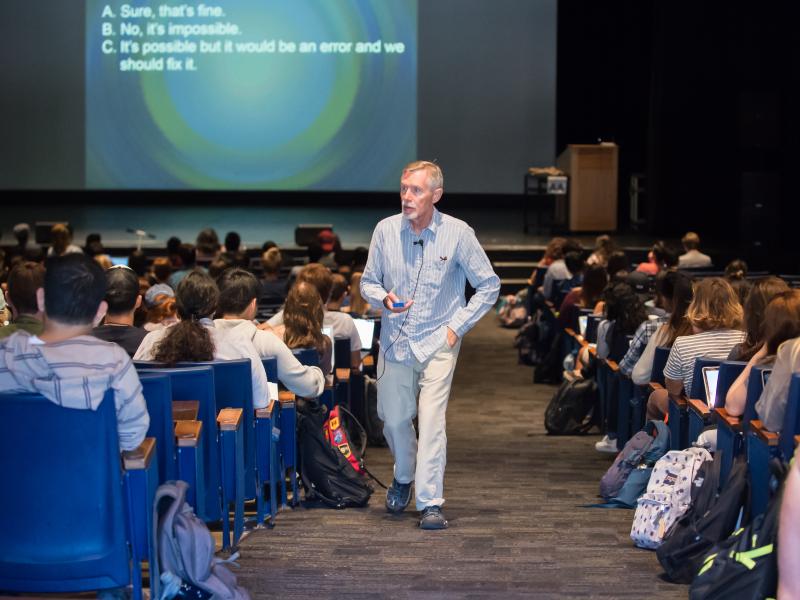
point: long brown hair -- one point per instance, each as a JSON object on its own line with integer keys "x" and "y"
{"x": 755, "y": 307}
{"x": 302, "y": 317}
{"x": 682, "y": 296}
{"x": 715, "y": 306}
{"x": 358, "y": 306}
{"x": 781, "y": 320}
{"x": 196, "y": 298}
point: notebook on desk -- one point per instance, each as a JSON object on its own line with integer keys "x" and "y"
{"x": 366, "y": 331}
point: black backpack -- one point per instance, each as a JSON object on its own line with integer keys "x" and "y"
{"x": 711, "y": 518}
{"x": 326, "y": 474}
{"x": 570, "y": 411}
{"x": 744, "y": 566}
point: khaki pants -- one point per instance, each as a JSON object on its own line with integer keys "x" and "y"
{"x": 401, "y": 389}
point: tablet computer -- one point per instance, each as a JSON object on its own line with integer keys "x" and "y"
{"x": 329, "y": 332}
{"x": 765, "y": 373}
{"x": 366, "y": 332}
{"x": 710, "y": 375}
{"x": 582, "y": 320}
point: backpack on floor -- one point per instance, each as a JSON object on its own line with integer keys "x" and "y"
{"x": 328, "y": 477}
{"x": 640, "y": 453}
{"x": 185, "y": 550}
{"x": 711, "y": 519}
{"x": 744, "y": 566}
{"x": 668, "y": 495}
{"x": 571, "y": 408}
{"x": 346, "y": 434}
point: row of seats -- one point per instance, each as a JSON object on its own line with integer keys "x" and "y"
{"x": 203, "y": 430}
{"x": 623, "y": 404}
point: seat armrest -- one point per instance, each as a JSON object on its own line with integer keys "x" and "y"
{"x": 185, "y": 410}
{"x": 229, "y": 419}
{"x": 612, "y": 365}
{"x": 286, "y": 397}
{"x": 654, "y": 385}
{"x": 139, "y": 457}
{"x": 343, "y": 374}
{"x": 732, "y": 422}
{"x": 268, "y": 412}
{"x": 768, "y": 437}
{"x": 368, "y": 361}
{"x": 699, "y": 407}
{"x": 187, "y": 433}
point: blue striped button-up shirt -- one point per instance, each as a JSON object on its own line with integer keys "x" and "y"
{"x": 433, "y": 275}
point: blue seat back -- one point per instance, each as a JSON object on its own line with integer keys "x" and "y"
{"x": 791, "y": 419}
{"x": 271, "y": 367}
{"x": 62, "y": 507}
{"x": 157, "y": 391}
{"x": 233, "y": 388}
{"x": 659, "y": 362}
{"x": 728, "y": 372}
{"x": 341, "y": 353}
{"x": 698, "y": 390}
{"x": 197, "y": 383}
{"x": 307, "y": 356}
{"x": 755, "y": 386}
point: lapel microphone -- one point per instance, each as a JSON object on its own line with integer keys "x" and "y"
{"x": 417, "y": 243}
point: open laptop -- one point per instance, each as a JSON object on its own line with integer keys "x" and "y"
{"x": 582, "y": 320}
{"x": 119, "y": 260}
{"x": 710, "y": 376}
{"x": 366, "y": 331}
{"x": 329, "y": 332}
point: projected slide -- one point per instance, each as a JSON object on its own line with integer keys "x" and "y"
{"x": 250, "y": 94}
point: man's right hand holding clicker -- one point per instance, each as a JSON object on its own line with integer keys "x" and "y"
{"x": 391, "y": 300}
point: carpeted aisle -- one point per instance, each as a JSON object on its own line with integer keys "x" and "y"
{"x": 513, "y": 496}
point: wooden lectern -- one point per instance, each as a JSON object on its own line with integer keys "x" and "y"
{"x": 592, "y": 170}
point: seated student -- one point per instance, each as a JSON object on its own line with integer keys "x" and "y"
{"x": 303, "y": 322}
{"x": 781, "y": 323}
{"x": 716, "y": 318}
{"x": 587, "y": 295}
{"x": 603, "y": 248}
{"x": 342, "y": 324}
{"x": 618, "y": 265}
{"x": 185, "y": 254}
{"x": 339, "y": 289}
{"x": 122, "y": 298}
{"x": 693, "y": 258}
{"x": 575, "y": 266}
{"x": 558, "y": 271}
{"x": 66, "y": 364}
{"x": 233, "y": 252}
{"x": 195, "y": 339}
{"x": 655, "y": 260}
{"x": 762, "y": 292}
{"x": 162, "y": 269}
{"x": 23, "y": 281}
{"x": 273, "y": 286}
{"x": 358, "y": 306}
{"x": 736, "y": 274}
{"x": 61, "y": 237}
{"x": 207, "y": 247}
{"x": 159, "y": 301}
{"x": 624, "y": 313}
{"x": 675, "y": 290}
{"x": 238, "y": 293}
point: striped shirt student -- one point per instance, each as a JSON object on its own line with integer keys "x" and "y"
{"x": 432, "y": 268}
{"x": 715, "y": 344}
{"x": 76, "y": 373}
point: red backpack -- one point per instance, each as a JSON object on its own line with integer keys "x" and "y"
{"x": 336, "y": 436}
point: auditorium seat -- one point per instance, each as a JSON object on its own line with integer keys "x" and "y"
{"x": 732, "y": 431}
{"x": 63, "y": 516}
{"x": 701, "y": 409}
{"x": 197, "y": 384}
{"x": 762, "y": 445}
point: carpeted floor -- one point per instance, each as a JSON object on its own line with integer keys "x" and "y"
{"x": 513, "y": 496}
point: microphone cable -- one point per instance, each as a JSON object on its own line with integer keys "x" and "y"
{"x": 403, "y": 324}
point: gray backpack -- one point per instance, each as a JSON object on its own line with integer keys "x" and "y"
{"x": 627, "y": 478}
{"x": 185, "y": 549}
